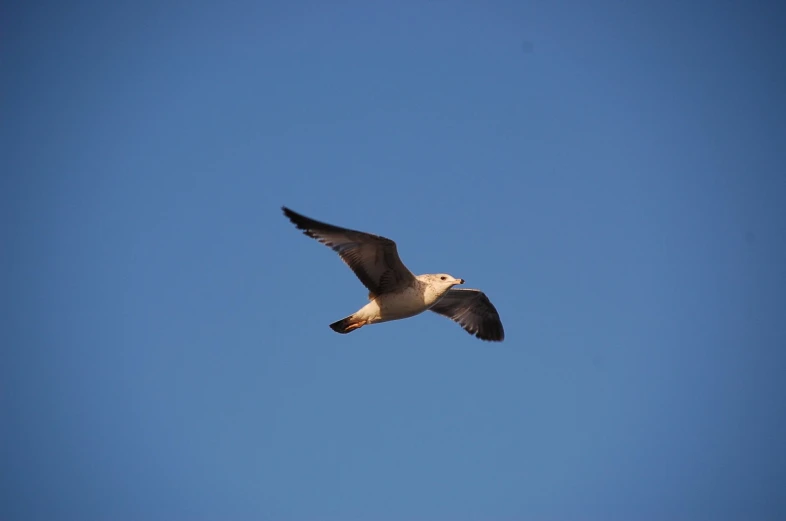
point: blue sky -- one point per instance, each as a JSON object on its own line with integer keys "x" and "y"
{"x": 613, "y": 176}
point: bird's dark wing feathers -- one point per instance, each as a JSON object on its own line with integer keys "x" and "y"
{"x": 374, "y": 259}
{"x": 473, "y": 311}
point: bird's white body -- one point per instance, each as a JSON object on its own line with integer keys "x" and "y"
{"x": 409, "y": 302}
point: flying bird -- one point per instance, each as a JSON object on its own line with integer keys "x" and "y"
{"x": 395, "y": 292}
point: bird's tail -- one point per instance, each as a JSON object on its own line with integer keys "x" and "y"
{"x": 347, "y": 325}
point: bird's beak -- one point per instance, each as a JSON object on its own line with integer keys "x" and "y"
{"x": 459, "y": 281}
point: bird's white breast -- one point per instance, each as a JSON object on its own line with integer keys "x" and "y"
{"x": 394, "y": 306}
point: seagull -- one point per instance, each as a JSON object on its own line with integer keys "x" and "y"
{"x": 395, "y": 292}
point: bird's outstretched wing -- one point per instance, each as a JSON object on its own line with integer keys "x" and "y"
{"x": 473, "y": 311}
{"x": 374, "y": 259}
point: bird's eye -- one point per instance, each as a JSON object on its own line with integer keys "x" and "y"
{"x": 443, "y": 278}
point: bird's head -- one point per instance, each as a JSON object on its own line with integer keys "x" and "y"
{"x": 443, "y": 280}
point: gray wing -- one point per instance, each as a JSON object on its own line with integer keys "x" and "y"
{"x": 374, "y": 259}
{"x": 473, "y": 311}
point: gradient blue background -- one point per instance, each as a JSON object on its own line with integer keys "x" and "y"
{"x": 613, "y": 176}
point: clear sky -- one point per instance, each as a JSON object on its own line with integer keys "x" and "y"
{"x": 612, "y": 174}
